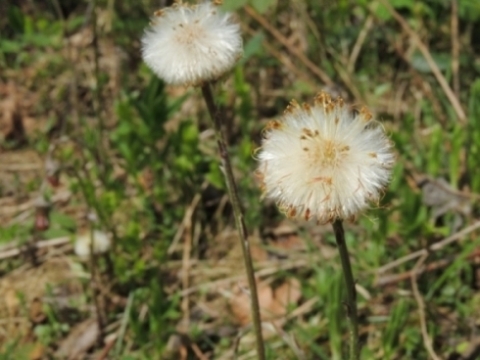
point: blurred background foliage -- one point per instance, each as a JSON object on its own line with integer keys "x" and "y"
{"x": 92, "y": 140}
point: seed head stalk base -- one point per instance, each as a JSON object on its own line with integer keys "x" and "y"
{"x": 351, "y": 302}
{"x": 239, "y": 216}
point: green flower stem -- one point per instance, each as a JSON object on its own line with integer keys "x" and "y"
{"x": 351, "y": 302}
{"x": 239, "y": 216}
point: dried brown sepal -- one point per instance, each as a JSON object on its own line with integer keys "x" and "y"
{"x": 307, "y": 107}
{"x": 330, "y": 107}
{"x": 273, "y": 125}
{"x": 339, "y": 102}
{"x": 260, "y": 177}
{"x": 309, "y": 133}
{"x": 307, "y": 215}
{"x": 365, "y": 114}
{"x": 323, "y": 99}
{"x": 292, "y": 106}
{"x": 291, "y": 212}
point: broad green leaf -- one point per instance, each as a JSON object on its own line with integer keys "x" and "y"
{"x": 262, "y": 5}
{"x": 233, "y": 5}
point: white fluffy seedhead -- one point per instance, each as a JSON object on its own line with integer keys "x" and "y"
{"x": 83, "y": 244}
{"x": 191, "y": 44}
{"x": 324, "y": 162}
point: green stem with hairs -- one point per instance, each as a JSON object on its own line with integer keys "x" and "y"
{"x": 238, "y": 214}
{"x": 351, "y": 302}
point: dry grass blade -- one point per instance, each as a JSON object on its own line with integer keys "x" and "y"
{"x": 437, "y": 246}
{"x": 427, "y": 341}
{"x": 359, "y": 43}
{"x": 285, "y": 60}
{"x": 428, "y": 57}
{"x": 187, "y": 249}
{"x": 17, "y": 250}
{"x": 440, "y": 264}
{"x": 293, "y": 50}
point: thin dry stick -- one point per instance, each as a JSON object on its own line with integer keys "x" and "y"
{"x": 395, "y": 278}
{"x": 239, "y": 216}
{"x": 215, "y": 284}
{"x": 292, "y": 49}
{"x": 455, "y": 48}
{"x": 198, "y": 353}
{"x": 285, "y": 60}
{"x": 185, "y": 221}
{"x": 427, "y": 341}
{"x": 351, "y": 303}
{"x": 433, "y": 66}
{"x": 17, "y": 249}
{"x": 437, "y": 246}
{"x": 359, "y": 43}
{"x": 186, "y": 263}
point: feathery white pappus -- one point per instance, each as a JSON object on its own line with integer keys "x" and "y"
{"x": 190, "y": 44}
{"x": 324, "y": 162}
{"x": 83, "y": 243}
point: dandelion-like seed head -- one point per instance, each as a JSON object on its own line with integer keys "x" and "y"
{"x": 83, "y": 244}
{"x": 324, "y": 162}
{"x": 191, "y": 44}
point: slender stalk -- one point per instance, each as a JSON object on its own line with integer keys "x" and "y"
{"x": 351, "y": 302}
{"x": 239, "y": 216}
{"x": 95, "y": 292}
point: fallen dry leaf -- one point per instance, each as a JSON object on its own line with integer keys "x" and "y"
{"x": 284, "y": 295}
{"x": 240, "y": 302}
{"x": 37, "y": 353}
{"x": 273, "y": 302}
{"x": 79, "y": 340}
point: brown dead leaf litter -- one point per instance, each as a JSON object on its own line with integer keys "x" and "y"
{"x": 27, "y": 290}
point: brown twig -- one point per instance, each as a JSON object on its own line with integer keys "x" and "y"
{"x": 281, "y": 266}
{"x": 292, "y": 49}
{"x": 285, "y": 60}
{"x": 440, "y": 264}
{"x": 187, "y": 219}
{"x": 9, "y": 252}
{"x": 106, "y": 349}
{"x": 427, "y": 89}
{"x": 437, "y": 246}
{"x": 427, "y": 341}
{"x": 362, "y": 36}
{"x": 187, "y": 249}
{"x": 198, "y": 353}
{"x": 428, "y": 57}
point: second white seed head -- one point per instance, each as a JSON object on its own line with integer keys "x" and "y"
{"x": 191, "y": 44}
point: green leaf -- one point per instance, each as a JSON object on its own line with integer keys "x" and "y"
{"x": 55, "y": 233}
{"x": 383, "y": 14}
{"x": 7, "y": 46}
{"x": 215, "y": 176}
{"x": 233, "y": 5}
{"x": 262, "y": 5}
{"x": 253, "y": 47}
{"x": 420, "y": 64}
{"x": 63, "y": 221}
